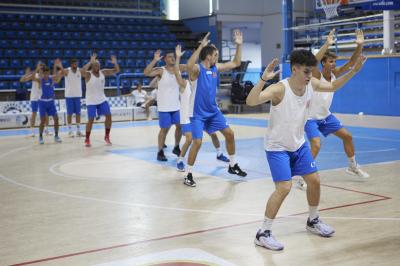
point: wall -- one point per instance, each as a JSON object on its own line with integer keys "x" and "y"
{"x": 193, "y": 8}
{"x": 377, "y": 94}
{"x": 203, "y": 24}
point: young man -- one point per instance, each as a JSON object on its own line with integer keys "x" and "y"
{"x": 288, "y": 153}
{"x": 185, "y": 94}
{"x": 167, "y": 100}
{"x": 206, "y": 114}
{"x": 35, "y": 95}
{"x": 73, "y": 95}
{"x": 142, "y": 100}
{"x": 47, "y": 106}
{"x": 321, "y": 120}
{"x": 96, "y": 101}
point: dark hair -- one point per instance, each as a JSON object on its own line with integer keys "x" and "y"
{"x": 74, "y": 60}
{"x": 302, "y": 58}
{"x": 46, "y": 68}
{"x": 328, "y": 55}
{"x": 208, "y": 50}
{"x": 169, "y": 52}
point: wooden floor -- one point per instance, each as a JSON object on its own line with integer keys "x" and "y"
{"x": 64, "y": 204}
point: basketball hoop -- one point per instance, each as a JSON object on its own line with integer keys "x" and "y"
{"x": 330, "y": 7}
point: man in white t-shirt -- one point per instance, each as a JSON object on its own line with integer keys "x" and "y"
{"x": 167, "y": 100}
{"x": 73, "y": 95}
{"x": 141, "y": 99}
{"x": 287, "y": 151}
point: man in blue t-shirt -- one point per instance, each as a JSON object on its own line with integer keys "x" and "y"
{"x": 206, "y": 114}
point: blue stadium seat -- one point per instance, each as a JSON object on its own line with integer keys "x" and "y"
{"x": 79, "y": 54}
{"x": 141, "y": 53}
{"x": 9, "y": 53}
{"x": 28, "y": 63}
{"x": 22, "y": 53}
{"x": 3, "y": 63}
{"x": 9, "y": 72}
{"x": 20, "y": 72}
{"x": 27, "y": 44}
{"x": 15, "y": 85}
{"x": 44, "y": 35}
{"x": 56, "y": 35}
{"x": 62, "y": 44}
{"x": 39, "y": 44}
{"x": 33, "y": 53}
{"x": 45, "y": 53}
{"x": 4, "y": 85}
{"x": 68, "y": 53}
{"x": 122, "y": 53}
{"x": 57, "y": 53}
{"x": 127, "y": 70}
{"x": 3, "y": 43}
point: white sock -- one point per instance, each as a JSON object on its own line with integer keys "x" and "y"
{"x": 267, "y": 224}
{"x": 232, "y": 160}
{"x": 218, "y": 151}
{"x": 180, "y": 159}
{"x": 352, "y": 161}
{"x": 313, "y": 212}
{"x": 189, "y": 168}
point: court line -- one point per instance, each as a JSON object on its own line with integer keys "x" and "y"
{"x": 370, "y": 151}
{"x": 174, "y": 236}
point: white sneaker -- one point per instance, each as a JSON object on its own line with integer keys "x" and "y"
{"x": 266, "y": 240}
{"x": 71, "y": 134}
{"x": 79, "y": 133}
{"x": 357, "y": 171}
{"x": 33, "y": 133}
{"x": 316, "y": 226}
{"x": 300, "y": 184}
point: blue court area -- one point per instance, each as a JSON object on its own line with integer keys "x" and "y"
{"x": 372, "y": 146}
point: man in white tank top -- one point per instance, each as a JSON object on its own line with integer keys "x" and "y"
{"x": 35, "y": 94}
{"x": 96, "y": 100}
{"x": 168, "y": 104}
{"x": 73, "y": 95}
{"x": 321, "y": 120}
{"x": 288, "y": 153}
{"x": 185, "y": 114}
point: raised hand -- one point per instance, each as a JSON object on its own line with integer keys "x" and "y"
{"x": 359, "y": 63}
{"x": 57, "y": 63}
{"x": 178, "y": 51}
{"x": 113, "y": 60}
{"x": 237, "y": 37}
{"x": 157, "y": 55}
{"x": 359, "y": 37}
{"x": 27, "y": 70}
{"x": 205, "y": 41}
{"x": 269, "y": 70}
{"x": 331, "y": 37}
{"x": 93, "y": 58}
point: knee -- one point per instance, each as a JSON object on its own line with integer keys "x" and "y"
{"x": 188, "y": 139}
{"x": 283, "y": 188}
{"x": 229, "y": 135}
{"x": 348, "y": 137}
{"x": 196, "y": 143}
{"x": 315, "y": 144}
{"x": 312, "y": 180}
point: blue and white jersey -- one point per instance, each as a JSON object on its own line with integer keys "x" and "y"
{"x": 47, "y": 89}
{"x": 204, "y": 92}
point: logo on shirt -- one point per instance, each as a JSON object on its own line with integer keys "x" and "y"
{"x": 214, "y": 74}
{"x": 313, "y": 164}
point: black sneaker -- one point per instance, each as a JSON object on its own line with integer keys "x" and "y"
{"x": 176, "y": 151}
{"x": 236, "y": 170}
{"x": 188, "y": 181}
{"x": 161, "y": 156}
{"x": 165, "y": 146}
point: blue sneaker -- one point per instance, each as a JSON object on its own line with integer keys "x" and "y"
{"x": 41, "y": 141}
{"x": 180, "y": 166}
{"x": 223, "y": 158}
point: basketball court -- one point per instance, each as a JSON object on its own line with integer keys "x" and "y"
{"x": 119, "y": 206}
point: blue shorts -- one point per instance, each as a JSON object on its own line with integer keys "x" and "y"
{"x": 326, "y": 126}
{"x": 186, "y": 128}
{"x": 100, "y": 109}
{"x": 47, "y": 108}
{"x": 34, "y": 106}
{"x": 285, "y": 164}
{"x": 211, "y": 124}
{"x": 166, "y": 119}
{"x": 73, "y": 105}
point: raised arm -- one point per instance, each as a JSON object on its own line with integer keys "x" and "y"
{"x": 272, "y": 93}
{"x": 179, "y": 79}
{"x": 330, "y": 40}
{"x": 319, "y": 85}
{"x": 238, "y": 39}
{"x": 151, "y": 70}
{"x": 27, "y": 76}
{"x": 110, "y": 72}
{"x": 57, "y": 75}
{"x": 192, "y": 67}
{"x": 84, "y": 70}
{"x": 356, "y": 54}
